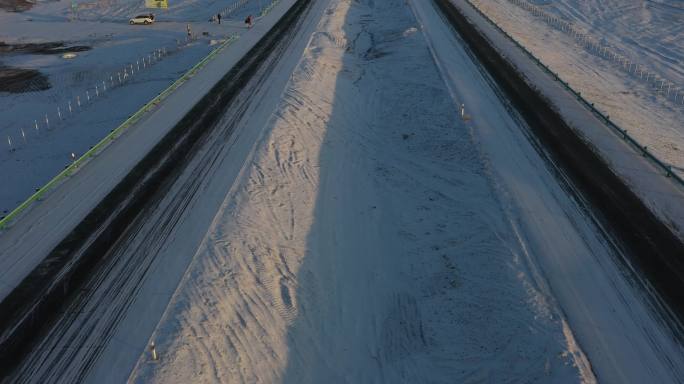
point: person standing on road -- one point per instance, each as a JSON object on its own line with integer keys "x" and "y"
{"x": 219, "y": 17}
{"x": 189, "y": 31}
{"x": 248, "y": 21}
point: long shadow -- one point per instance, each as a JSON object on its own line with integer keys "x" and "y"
{"x": 326, "y": 282}
{"x": 342, "y": 333}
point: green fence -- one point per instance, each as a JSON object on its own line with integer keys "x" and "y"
{"x": 73, "y": 167}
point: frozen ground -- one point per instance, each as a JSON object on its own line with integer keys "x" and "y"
{"x": 650, "y": 33}
{"x": 40, "y": 150}
{"x": 374, "y": 236}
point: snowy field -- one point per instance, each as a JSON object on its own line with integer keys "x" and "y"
{"x": 87, "y": 96}
{"x": 649, "y": 33}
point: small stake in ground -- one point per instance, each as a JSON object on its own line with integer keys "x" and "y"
{"x": 463, "y": 114}
{"x": 153, "y": 351}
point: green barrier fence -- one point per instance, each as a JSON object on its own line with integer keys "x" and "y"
{"x": 268, "y": 8}
{"x": 73, "y": 167}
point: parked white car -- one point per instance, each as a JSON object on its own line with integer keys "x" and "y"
{"x": 142, "y": 19}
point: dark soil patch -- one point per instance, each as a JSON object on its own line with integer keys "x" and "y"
{"x": 50, "y": 48}
{"x": 16, "y": 5}
{"x": 18, "y": 80}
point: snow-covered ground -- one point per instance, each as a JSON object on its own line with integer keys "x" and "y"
{"x": 363, "y": 241}
{"x": 41, "y": 227}
{"x": 40, "y": 148}
{"x": 649, "y": 33}
{"x": 374, "y": 236}
{"x": 108, "y": 326}
{"x": 663, "y": 195}
{"x": 349, "y": 227}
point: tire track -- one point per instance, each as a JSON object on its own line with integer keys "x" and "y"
{"x": 65, "y": 347}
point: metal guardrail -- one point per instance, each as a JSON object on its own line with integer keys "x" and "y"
{"x": 73, "y": 167}
{"x": 666, "y": 168}
{"x": 265, "y": 11}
